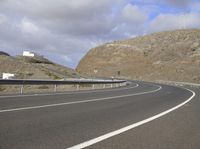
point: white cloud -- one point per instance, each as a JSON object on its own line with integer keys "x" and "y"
{"x": 132, "y": 14}
{"x": 28, "y": 27}
{"x": 76, "y": 17}
{"x": 179, "y": 3}
{"x": 3, "y": 19}
{"x": 129, "y": 22}
{"x": 66, "y": 58}
{"x": 175, "y": 21}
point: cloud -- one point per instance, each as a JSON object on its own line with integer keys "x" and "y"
{"x": 179, "y": 3}
{"x": 3, "y": 19}
{"x": 129, "y": 22}
{"x": 77, "y": 17}
{"x": 66, "y": 58}
{"x": 29, "y": 27}
{"x": 133, "y": 15}
{"x": 175, "y": 21}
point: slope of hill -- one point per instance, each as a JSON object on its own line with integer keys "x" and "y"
{"x": 172, "y": 55}
{"x": 33, "y": 68}
{"x": 4, "y": 53}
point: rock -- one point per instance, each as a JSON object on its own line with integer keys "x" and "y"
{"x": 194, "y": 46}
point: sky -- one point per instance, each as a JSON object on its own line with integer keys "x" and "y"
{"x": 65, "y": 30}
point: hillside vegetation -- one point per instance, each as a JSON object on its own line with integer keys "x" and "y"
{"x": 172, "y": 55}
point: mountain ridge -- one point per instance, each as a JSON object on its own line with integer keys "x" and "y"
{"x": 171, "y": 56}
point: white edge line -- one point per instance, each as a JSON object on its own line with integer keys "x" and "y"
{"x": 124, "y": 129}
{"x": 81, "y": 101}
{"x": 75, "y": 92}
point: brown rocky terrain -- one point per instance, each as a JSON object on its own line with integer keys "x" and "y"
{"x": 170, "y": 56}
{"x": 33, "y": 68}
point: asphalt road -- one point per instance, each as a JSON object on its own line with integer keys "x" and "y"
{"x": 135, "y": 116}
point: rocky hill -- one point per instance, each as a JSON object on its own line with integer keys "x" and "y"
{"x": 34, "y": 68}
{"x": 4, "y": 53}
{"x": 171, "y": 55}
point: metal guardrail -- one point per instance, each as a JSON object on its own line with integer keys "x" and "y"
{"x": 77, "y": 82}
{"x": 56, "y": 82}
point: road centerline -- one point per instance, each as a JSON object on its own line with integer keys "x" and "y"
{"x": 80, "y": 101}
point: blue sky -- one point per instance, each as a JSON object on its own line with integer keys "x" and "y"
{"x": 64, "y": 31}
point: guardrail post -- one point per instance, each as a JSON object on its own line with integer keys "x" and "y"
{"x": 21, "y": 89}
{"x": 55, "y": 87}
{"x": 104, "y": 85}
{"x": 93, "y": 87}
{"x": 77, "y": 87}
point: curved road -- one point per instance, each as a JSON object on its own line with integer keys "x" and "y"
{"x": 141, "y": 115}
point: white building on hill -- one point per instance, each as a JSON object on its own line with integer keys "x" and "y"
{"x": 7, "y": 76}
{"x": 28, "y": 54}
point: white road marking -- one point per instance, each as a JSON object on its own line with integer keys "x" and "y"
{"x": 75, "y": 92}
{"x": 124, "y": 129}
{"x": 81, "y": 101}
